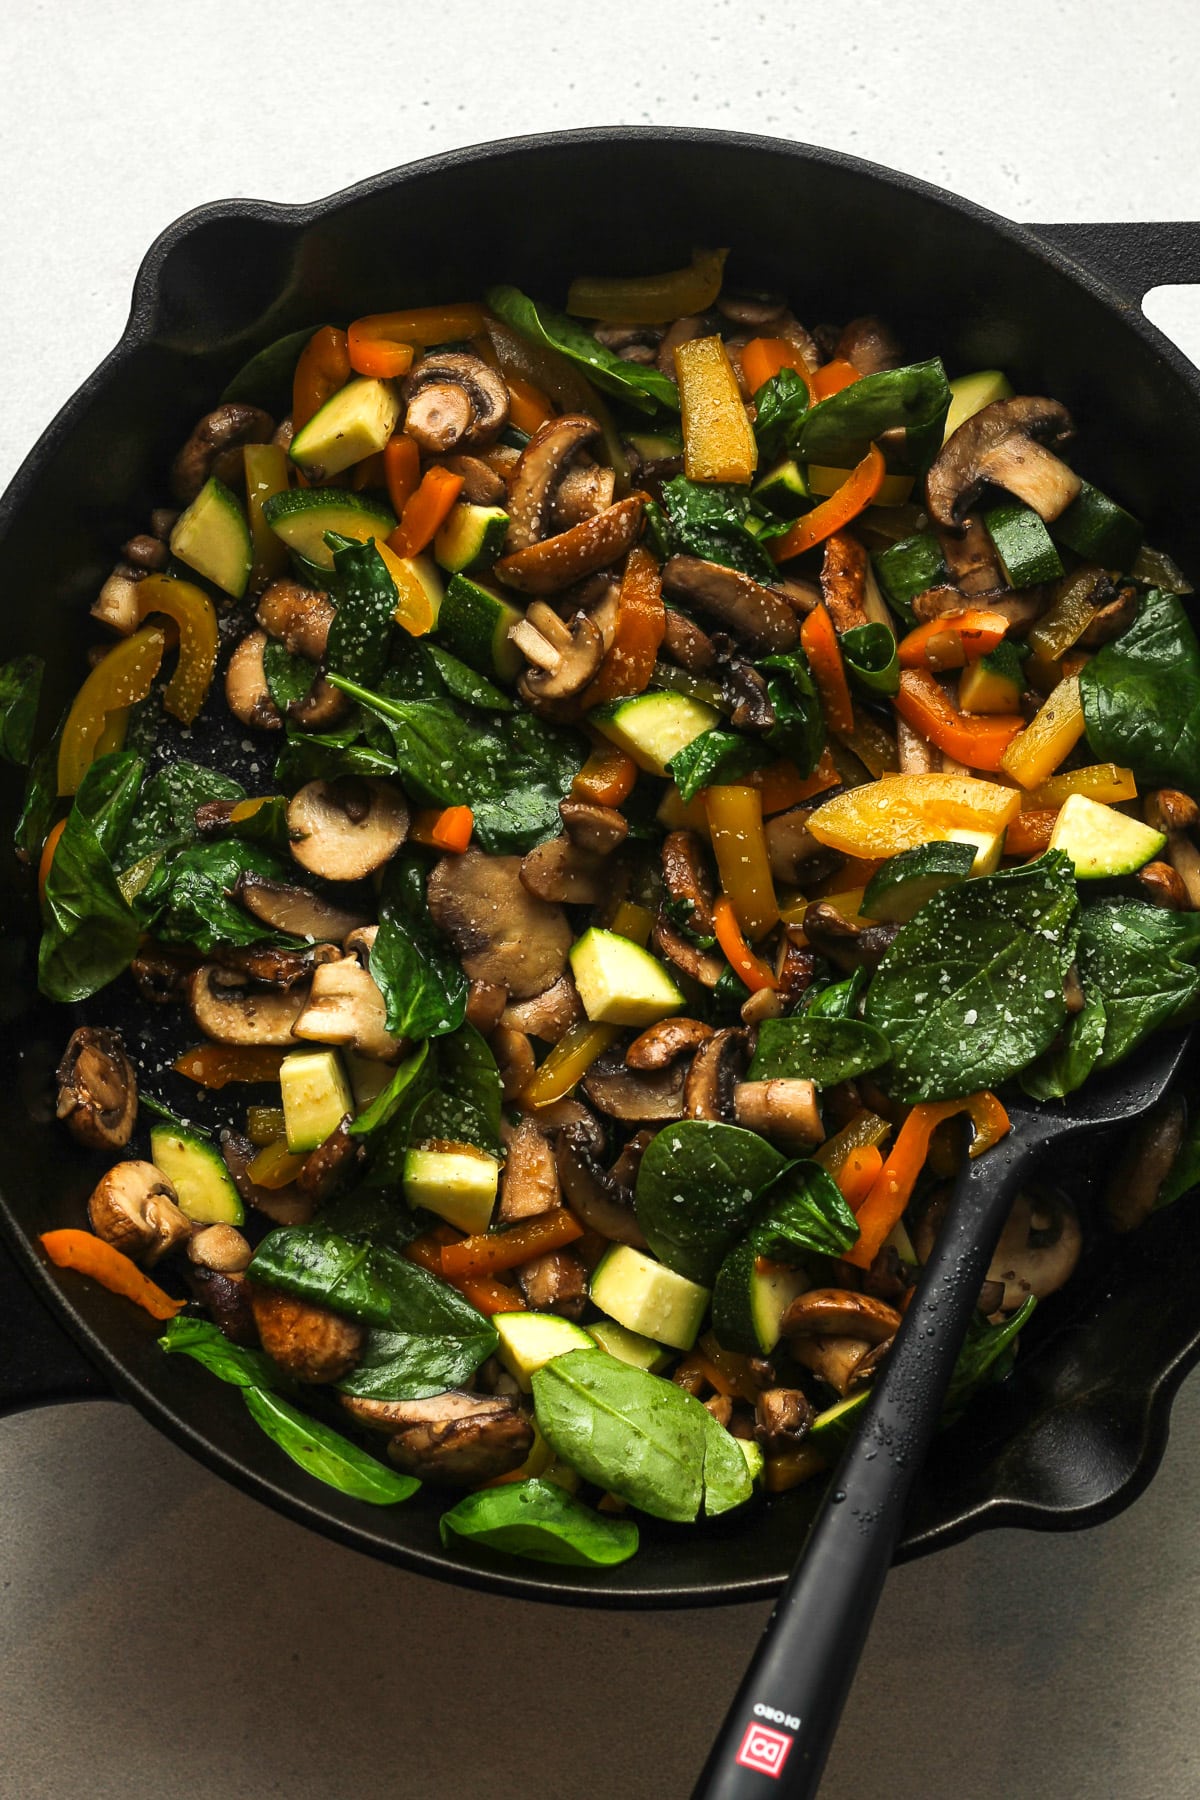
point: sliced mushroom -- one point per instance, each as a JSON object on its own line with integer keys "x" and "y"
{"x": 869, "y": 345}
{"x": 309, "y": 1341}
{"x": 486, "y": 1001}
{"x": 542, "y": 466}
{"x": 296, "y": 910}
{"x": 713, "y": 1075}
{"x": 745, "y": 691}
{"x": 680, "y": 331}
{"x": 97, "y": 1088}
{"x": 971, "y": 559}
{"x": 135, "y": 1209}
{"x": 563, "y": 657}
{"x": 848, "y": 945}
{"x": 686, "y": 645}
{"x": 345, "y": 1007}
{"x": 1162, "y": 885}
{"x": 595, "y": 543}
{"x": 547, "y": 1015}
{"x": 1038, "y": 1248}
{"x": 836, "y": 1312}
{"x": 791, "y": 848}
{"x": 1177, "y": 815}
{"x": 326, "y": 1167}
{"x": 323, "y": 707}
{"x": 1021, "y": 610}
{"x": 346, "y": 828}
{"x": 584, "y": 491}
{"x": 835, "y": 1360}
{"x": 514, "y": 1060}
{"x": 226, "y": 428}
{"x": 1137, "y": 1180}
{"x": 455, "y": 401}
{"x": 784, "y": 1110}
{"x": 559, "y": 870}
{"x": 554, "y": 1282}
{"x": 602, "y": 1199}
{"x": 844, "y": 580}
{"x": 162, "y": 973}
{"x": 481, "y": 485}
{"x": 116, "y": 604}
{"x": 246, "y": 692}
{"x": 226, "y": 1298}
{"x": 299, "y": 616}
{"x": 269, "y": 964}
{"x": 660, "y": 1044}
{"x": 599, "y": 830}
{"x": 637, "y": 1095}
{"x": 221, "y": 1248}
{"x": 501, "y": 931}
{"x": 458, "y": 1438}
{"x": 230, "y": 1012}
{"x": 529, "y": 1185}
{"x": 782, "y": 1417}
{"x": 1005, "y": 444}
{"x": 755, "y": 615}
{"x": 689, "y": 890}
{"x": 1110, "y": 620}
{"x": 284, "y": 1206}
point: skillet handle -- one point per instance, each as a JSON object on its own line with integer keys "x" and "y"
{"x": 1132, "y": 257}
{"x": 39, "y": 1362}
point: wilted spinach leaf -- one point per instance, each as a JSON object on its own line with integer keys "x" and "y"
{"x": 709, "y": 519}
{"x": 837, "y": 999}
{"x": 463, "y": 1102}
{"x": 812, "y": 1048}
{"x": 90, "y": 934}
{"x": 366, "y": 599}
{"x": 1141, "y": 696}
{"x": 412, "y": 963}
{"x": 208, "y": 1345}
{"x": 387, "y": 1103}
{"x": 463, "y": 683}
{"x": 289, "y": 677}
{"x": 537, "y": 1520}
{"x": 697, "y": 1188}
{"x": 869, "y": 652}
{"x": 646, "y": 389}
{"x": 803, "y": 1212}
{"x": 324, "y": 756}
{"x": 780, "y": 405}
{"x": 166, "y": 813}
{"x": 715, "y": 756}
{"x": 980, "y": 1355}
{"x": 1141, "y": 960}
{"x": 840, "y": 430}
{"x": 38, "y": 804}
{"x": 20, "y": 690}
{"x": 799, "y": 729}
{"x": 187, "y": 898}
{"x": 325, "y": 1454}
{"x": 1067, "y": 1065}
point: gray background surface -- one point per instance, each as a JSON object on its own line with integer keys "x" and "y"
{"x": 161, "y": 1635}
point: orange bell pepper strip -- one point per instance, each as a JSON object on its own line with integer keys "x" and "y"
{"x": 978, "y": 740}
{"x": 752, "y": 969}
{"x": 952, "y": 641}
{"x": 267, "y": 474}
{"x": 855, "y": 494}
{"x": 91, "y": 1256}
{"x": 607, "y": 777}
{"x": 375, "y": 349}
{"x": 47, "y": 856}
{"x": 216, "y": 1065}
{"x": 892, "y": 1190}
{"x": 819, "y": 641}
{"x": 570, "y": 1059}
{"x": 859, "y": 1173}
{"x": 832, "y": 377}
{"x": 528, "y": 407}
{"x": 426, "y": 1250}
{"x": 641, "y": 626}
{"x": 401, "y": 470}
{"x": 196, "y": 617}
{"x": 490, "y": 1252}
{"x": 322, "y": 367}
{"x": 782, "y": 786}
{"x": 425, "y": 511}
{"x": 735, "y": 825}
{"x": 124, "y": 677}
{"x": 422, "y": 326}
{"x": 763, "y": 358}
{"x": 1029, "y": 833}
{"x": 490, "y": 1297}
{"x": 369, "y": 472}
{"x": 447, "y": 829}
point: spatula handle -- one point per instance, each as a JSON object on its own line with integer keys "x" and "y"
{"x": 778, "y": 1732}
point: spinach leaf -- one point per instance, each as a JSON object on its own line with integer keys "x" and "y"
{"x": 1141, "y": 696}
{"x": 971, "y": 990}
{"x": 726, "y": 1474}
{"x": 314, "y": 1263}
{"x": 632, "y": 1433}
{"x": 870, "y": 654}
{"x": 38, "y": 805}
{"x": 187, "y": 898}
{"x": 463, "y": 1103}
{"x": 366, "y": 599}
{"x": 979, "y": 1358}
{"x": 697, "y": 1189}
{"x": 387, "y": 1103}
{"x": 799, "y": 729}
{"x": 325, "y": 1454}
{"x": 780, "y": 405}
{"x": 324, "y": 756}
{"x": 816, "y": 1049}
{"x": 411, "y": 963}
{"x": 646, "y": 389}
{"x": 804, "y": 1212}
{"x": 709, "y": 519}
{"x": 840, "y": 430}
{"x": 289, "y": 677}
{"x": 166, "y": 814}
{"x": 267, "y": 824}
{"x": 511, "y": 772}
{"x": 1185, "y": 1172}
{"x": 838, "y": 999}
{"x": 20, "y": 690}
{"x": 715, "y": 756}
{"x": 537, "y": 1520}
{"x": 463, "y": 683}
{"x": 412, "y": 1365}
{"x": 1067, "y": 1065}
{"x": 208, "y": 1345}
{"x": 90, "y": 934}
{"x": 1139, "y": 958}
{"x": 372, "y": 1212}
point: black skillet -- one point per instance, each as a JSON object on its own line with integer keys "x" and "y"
{"x": 1080, "y": 1428}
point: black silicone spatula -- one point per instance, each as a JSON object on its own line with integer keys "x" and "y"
{"x": 777, "y": 1733}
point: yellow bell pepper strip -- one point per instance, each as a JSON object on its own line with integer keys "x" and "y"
{"x": 275, "y": 1166}
{"x": 902, "y": 811}
{"x": 401, "y": 470}
{"x": 791, "y": 1468}
{"x": 266, "y": 475}
{"x": 952, "y": 641}
{"x": 856, "y": 493}
{"x": 47, "y": 856}
{"x": 641, "y": 625}
{"x": 649, "y": 299}
{"x": 864, "y": 1128}
{"x": 978, "y": 740}
{"x": 1107, "y": 783}
{"x": 1032, "y": 757}
{"x": 447, "y": 829}
{"x": 490, "y": 1252}
{"x": 859, "y": 1173}
{"x": 264, "y": 1124}
{"x": 426, "y": 511}
{"x": 894, "y": 490}
{"x": 1067, "y": 620}
{"x": 570, "y": 1059}
{"x": 196, "y": 617}
{"x": 1029, "y": 833}
{"x": 375, "y": 348}
{"x": 718, "y": 444}
{"x": 113, "y": 736}
{"x": 607, "y": 777}
{"x": 322, "y": 367}
{"x": 763, "y": 358}
{"x": 416, "y": 612}
{"x": 632, "y": 921}
{"x": 819, "y": 641}
{"x": 124, "y": 677}
{"x": 91, "y": 1256}
{"x": 740, "y": 847}
{"x": 751, "y": 969}
{"x": 216, "y": 1065}
{"x": 885, "y": 1203}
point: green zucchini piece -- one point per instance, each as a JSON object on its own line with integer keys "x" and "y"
{"x": 1096, "y": 528}
{"x": 356, "y": 422}
{"x": 653, "y": 727}
{"x": 994, "y": 683}
{"x": 302, "y": 516}
{"x": 316, "y": 1097}
{"x": 897, "y": 891}
{"x": 648, "y": 1298}
{"x": 1101, "y": 841}
{"x": 1024, "y": 546}
{"x": 749, "y": 1302}
{"x": 213, "y": 538}
{"x": 474, "y": 623}
{"x": 471, "y": 536}
{"x": 196, "y": 1170}
{"x": 784, "y": 490}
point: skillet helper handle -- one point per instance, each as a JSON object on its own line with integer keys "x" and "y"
{"x": 778, "y": 1732}
{"x": 39, "y": 1363}
{"x": 1132, "y": 257}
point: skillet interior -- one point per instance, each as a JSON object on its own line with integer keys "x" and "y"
{"x": 1082, "y": 1424}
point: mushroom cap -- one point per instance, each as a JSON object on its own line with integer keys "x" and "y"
{"x": 345, "y": 1007}
{"x": 221, "y": 1248}
{"x": 296, "y": 910}
{"x": 784, "y": 1109}
{"x": 599, "y": 829}
{"x": 711, "y": 1080}
{"x": 753, "y": 614}
{"x": 955, "y": 480}
{"x": 602, "y": 1201}
{"x": 307, "y": 1340}
{"x": 226, "y": 427}
{"x": 463, "y": 1449}
{"x": 246, "y": 692}
{"x": 298, "y": 616}
{"x": 502, "y": 932}
{"x": 660, "y": 1044}
{"x": 97, "y": 1088}
{"x": 836, "y": 1312}
{"x": 636, "y": 1095}
{"x": 230, "y": 1012}
{"x": 564, "y": 657}
{"x": 559, "y": 870}
{"x": 1038, "y": 1248}
{"x": 454, "y": 399}
{"x": 134, "y": 1208}
{"x": 543, "y": 463}
{"x": 546, "y": 1015}
{"x": 346, "y": 828}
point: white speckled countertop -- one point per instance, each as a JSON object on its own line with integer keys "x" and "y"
{"x": 161, "y": 1636}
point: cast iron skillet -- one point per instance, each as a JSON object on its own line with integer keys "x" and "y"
{"x": 1080, "y": 1429}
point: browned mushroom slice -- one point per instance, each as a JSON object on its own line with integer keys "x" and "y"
{"x": 501, "y": 931}
{"x": 836, "y": 1360}
{"x": 971, "y": 559}
{"x": 636, "y": 1095}
{"x": 782, "y": 1417}
{"x": 162, "y": 974}
{"x": 555, "y": 563}
{"x": 844, "y": 580}
{"x": 1038, "y": 1248}
{"x": 326, "y": 1167}
{"x": 224, "y": 429}
{"x": 690, "y": 890}
{"x": 686, "y": 645}
{"x": 1021, "y": 610}
{"x": 296, "y": 910}
{"x": 481, "y": 485}
{"x": 791, "y": 848}
{"x": 563, "y": 657}
{"x": 226, "y": 1298}
{"x": 1005, "y": 444}
{"x": 454, "y": 401}
{"x": 554, "y": 1282}
{"x": 681, "y": 331}
{"x": 784, "y": 1110}
{"x": 559, "y": 870}
{"x": 713, "y": 1075}
{"x": 284, "y": 1206}
{"x": 836, "y": 1312}
{"x": 97, "y": 1088}
{"x": 848, "y": 945}
{"x": 1159, "y": 883}
{"x": 486, "y": 1001}
{"x": 321, "y": 708}
{"x": 307, "y": 1340}
{"x": 542, "y": 466}
{"x": 597, "y": 829}
{"x": 1177, "y": 815}
{"x": 346, "y": 828}
{"x": 745, "y": 692}
{"x": 230, "y": 1012}
{"x": 660, "y": 1044}
{"x": 529, "y": 1185}
{"x": 458, "y": 1438}
{"x": 1136, "y": 1181}
{"x": 869, "y": 345}
{"x": 547, "y": 1015}
{"x": 584, "y": 491}
{"x": 602, "y": 1199}
{"x": 345, "y": 1007}
{"x": 704, "y": 966}
{"x": 246, "y": 692}
{"x": 268, "y": 964}
{"x": 221, "y": 1248}
{"x": 298, "y": 616}
{"x": 514, "y": 1060}
{"x": 135, "y": 1209}
{"x": 755, "y": 615}
{"x": 1110, "y": 619}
